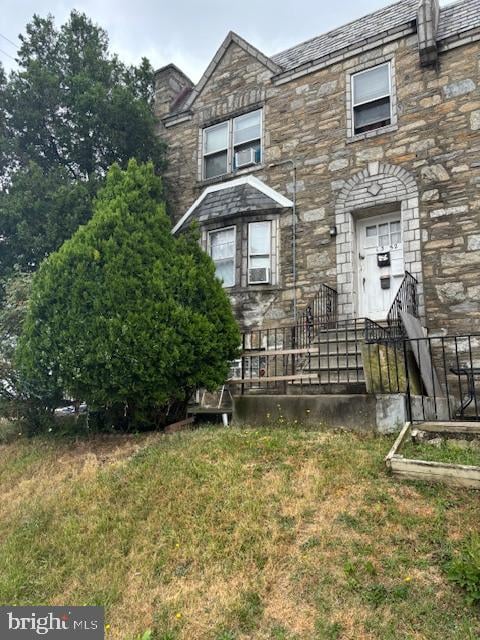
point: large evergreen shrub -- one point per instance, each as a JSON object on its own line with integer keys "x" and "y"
{"x": 125, "y": 316}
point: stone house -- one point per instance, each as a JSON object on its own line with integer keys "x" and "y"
{"x": 348, "y": 160}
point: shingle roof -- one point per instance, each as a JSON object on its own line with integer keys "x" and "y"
{"x": 454, "y": 18}
{"x": 458, "y": 17}
{"x": 354, "y": 32}
{"x": 232, "y": 201}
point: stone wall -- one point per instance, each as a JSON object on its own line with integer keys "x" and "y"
{"x": 430, "y": 155}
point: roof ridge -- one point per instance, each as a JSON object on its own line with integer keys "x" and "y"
{"x": 346, "y": 24}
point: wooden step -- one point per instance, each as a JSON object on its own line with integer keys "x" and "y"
{"x": 455, "y": 426}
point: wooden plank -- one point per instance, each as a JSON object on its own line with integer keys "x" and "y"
{"x": 456, "y": 474}
{"x": 450, "y": 427}
{"x": 420, "y": 347}
{"x": 398, "y": 442}
{"x": 277, "y": 352}
{"x": 179, "y": 426}
{"x": 312, "y": 376}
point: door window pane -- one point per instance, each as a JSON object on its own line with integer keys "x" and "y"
{"x": 222, "y": 251}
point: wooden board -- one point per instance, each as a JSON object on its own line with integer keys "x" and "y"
{"x": 398, "y": 442}
{"x": 312, "y": 376}
{"x": 450, "y": 427}
{"x": 278, "y": 352}
{"x": 455, "y": 474}
{"x": 422, "y": 354}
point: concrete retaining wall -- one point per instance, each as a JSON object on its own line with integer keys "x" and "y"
{"x": 358, "y": 412}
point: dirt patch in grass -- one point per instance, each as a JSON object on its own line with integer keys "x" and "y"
{"x": 229, "y": 534}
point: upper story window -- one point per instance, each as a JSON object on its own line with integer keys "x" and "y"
{"x": 221, "y": 247}
{"x": 232, "y": 145}
{"x": 371, "y": 98}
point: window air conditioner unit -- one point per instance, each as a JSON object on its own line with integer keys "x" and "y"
{"x": 260, "y": 275}
{"x": 245, "y": 157}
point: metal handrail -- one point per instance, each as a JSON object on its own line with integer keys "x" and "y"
{"x": 320, "y": 313}
{"x": 406, "y": 299}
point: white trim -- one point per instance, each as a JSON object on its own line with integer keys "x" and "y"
{"x": 251, "y": 180}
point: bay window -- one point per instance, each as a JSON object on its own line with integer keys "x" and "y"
{"x": 221, "y": 247}
{"x": 259, "y": 252}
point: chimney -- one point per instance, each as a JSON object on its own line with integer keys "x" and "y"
{"x": 170, "y": 84}
{"x": 428, "y": 13}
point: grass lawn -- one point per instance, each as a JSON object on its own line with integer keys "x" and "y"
{"x": 446, "y": 452}
{"x": 231, "y": 534}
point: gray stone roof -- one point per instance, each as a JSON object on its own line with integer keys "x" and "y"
{"x": 458, "y": 17}
{"x": 371, "y": 25}
{"x": 454, "y": 18}
{"x": 234, "y": 200}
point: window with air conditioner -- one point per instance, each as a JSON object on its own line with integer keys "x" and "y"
{"x": 221, "y": 247}
{"x": 232, "y": 145}
{"x": 259, "y": 252}
{"x": 246, "y": 139}
{"x": 371, "y": 98}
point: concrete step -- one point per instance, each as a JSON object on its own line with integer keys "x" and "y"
{"x": 326, "y": 389}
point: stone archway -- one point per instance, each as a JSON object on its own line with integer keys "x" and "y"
{"x": 379, "y": 184}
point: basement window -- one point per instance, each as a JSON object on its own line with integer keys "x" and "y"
{"x": 371, "y": 98}
{"x": 221, "y": 247}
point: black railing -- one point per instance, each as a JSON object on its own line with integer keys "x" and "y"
{"x": 444, "y": 378}
{"x": 405, "y": 300}
{"x": 319, "y": 314}
{"x": 273, "y": 362}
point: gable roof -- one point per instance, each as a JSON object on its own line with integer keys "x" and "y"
{"x": 243, "y": 44}
{"x": 235, "y": 196}
{"x": 455, "y": 19}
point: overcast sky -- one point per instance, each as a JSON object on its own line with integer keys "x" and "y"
{"x": 187, "y": 32}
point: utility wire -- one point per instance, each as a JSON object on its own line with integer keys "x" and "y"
{"x": 7, "y": 54}
{"x": 8, "y": 40}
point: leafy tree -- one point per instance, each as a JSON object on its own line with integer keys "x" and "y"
{"x": 68, "y": 112}
{"x": 125, "y": 316}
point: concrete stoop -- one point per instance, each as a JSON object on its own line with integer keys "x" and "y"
{"x": 357, "y": 412}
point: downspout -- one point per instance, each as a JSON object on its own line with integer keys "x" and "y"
{"x": 294, "y": 231}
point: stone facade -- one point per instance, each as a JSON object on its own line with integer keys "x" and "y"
{"x": 425, "y": 163}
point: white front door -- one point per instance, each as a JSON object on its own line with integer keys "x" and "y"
{"x": 380, "y": 264}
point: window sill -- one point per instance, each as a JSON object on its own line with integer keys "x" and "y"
{"x": 251, "y": 288}
{"x": 366, "y": 135}
{"x": 230, "y": 176}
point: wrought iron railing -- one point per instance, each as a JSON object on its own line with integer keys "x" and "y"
{"x": 320, "y": 313}
{"x": 405, "y": 300}
{"x": 443, "y": 378}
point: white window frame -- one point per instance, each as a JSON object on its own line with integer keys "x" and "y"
{"x": 231, "y": 143}
{"x": 206, "y": 154}
{"x": 257, "y": 255}
{"x": 209, "y": 247}
{"x": 387, "y": 63}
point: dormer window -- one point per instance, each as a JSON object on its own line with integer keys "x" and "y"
{"x": 232, "y": 145}
{"x": 371, "y": 98}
